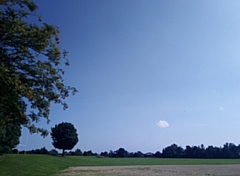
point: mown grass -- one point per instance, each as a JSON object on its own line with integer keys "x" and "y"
{"x": 37, "y": 165}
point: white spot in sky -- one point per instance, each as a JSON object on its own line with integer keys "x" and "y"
{"x": 162, "y": 124}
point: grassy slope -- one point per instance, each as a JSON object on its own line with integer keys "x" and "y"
{"x": 36, "y": 165}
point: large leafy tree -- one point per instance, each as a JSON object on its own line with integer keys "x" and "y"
{"x": 64, "y": 136}
{"x": 30, "y": 72}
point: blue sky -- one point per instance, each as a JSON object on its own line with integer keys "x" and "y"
{"x": 149, "y": 73}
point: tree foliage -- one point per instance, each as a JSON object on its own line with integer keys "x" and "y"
{"x": 30, "y": 59}
{"x": 78, "y": 152}
{"x": 64, "y": 136}
{"x": 172, "y": 151}
{"x": 9, "y": 137}
{"x": 121, "y": 153}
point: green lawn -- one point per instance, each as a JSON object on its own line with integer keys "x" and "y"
{"x": 36, "y": 165}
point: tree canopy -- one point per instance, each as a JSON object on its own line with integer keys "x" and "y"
{"x": 9, "y": 137}
{"x": 64, "y": 136}
{"x": 30, "y": 60}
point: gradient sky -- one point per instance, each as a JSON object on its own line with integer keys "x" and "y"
{"x": 149, "y": 73}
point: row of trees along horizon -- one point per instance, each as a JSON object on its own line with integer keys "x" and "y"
{"x": 229, "y": 150}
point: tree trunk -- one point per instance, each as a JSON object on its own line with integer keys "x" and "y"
{"x": 63, "y": 152}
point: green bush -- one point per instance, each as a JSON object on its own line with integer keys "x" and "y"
{"x": 53, "y": 152}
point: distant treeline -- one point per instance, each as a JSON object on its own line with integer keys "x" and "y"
{"x": 229, "y": 150}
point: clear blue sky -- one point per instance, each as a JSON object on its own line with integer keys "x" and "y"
{"x": 149, "y": 73}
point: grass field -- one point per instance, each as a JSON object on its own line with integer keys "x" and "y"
{"x": 36, "y": 165}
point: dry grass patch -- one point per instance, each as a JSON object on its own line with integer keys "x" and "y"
{"x": 156, "y": 170}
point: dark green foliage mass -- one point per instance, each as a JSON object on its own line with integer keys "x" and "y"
{"x": 64, "y": 136}
{"x": 9, "y": 137}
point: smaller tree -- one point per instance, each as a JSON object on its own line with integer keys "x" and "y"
{"x": 44, "y": 151}
{"x": 64, "y": 136}
{"x": 88, "y": 153}
{"x": 121, "y": 153}
{"x": 104, "y": 154}
{"x": 53, "y": 152}
{"x": 78, "y": 152}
